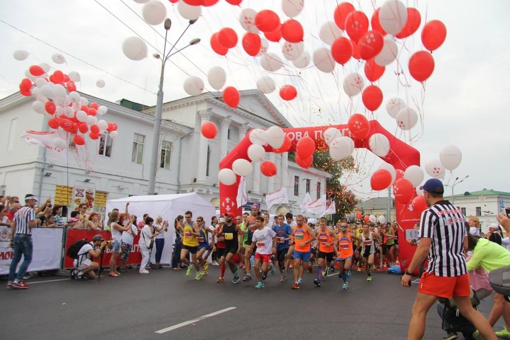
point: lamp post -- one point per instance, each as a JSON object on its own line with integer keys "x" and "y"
{"x": 159, "y": 104}
{"x": 455, "y": 183}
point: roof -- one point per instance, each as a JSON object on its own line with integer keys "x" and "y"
{"x": 377, "y": 203}
{"x": 484, "y": 192}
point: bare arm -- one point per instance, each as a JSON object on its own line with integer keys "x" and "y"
{"x": 421, "y": 253}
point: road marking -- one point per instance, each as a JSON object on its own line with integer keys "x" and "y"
{"x": 182, "y": 324}
{"x": 33, "y": 283}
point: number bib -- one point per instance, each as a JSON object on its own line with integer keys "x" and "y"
{"x": 261, "y": 244}
{"x": 281, "y": 239}
{"x": 201, "y": 239}
{"x": 188, "y": 235}
{"x": 299, "y": 236}
{"x": 229, "y": 236}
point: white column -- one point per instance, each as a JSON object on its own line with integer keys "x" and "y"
{"x": 270, "y": 180}
{"x": 242, "y": 131}
{"x": 202, "y": 149}
{"x": 256, "y": 178}
{"x": 285, "y": 175}
{"x": 225, "y": 123}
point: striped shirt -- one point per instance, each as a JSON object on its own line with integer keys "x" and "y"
{"x": 22, "y": 217}
{"x": 444, "y": 224}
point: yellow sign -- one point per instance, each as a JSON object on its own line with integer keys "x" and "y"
{"x": 63, "y": 195}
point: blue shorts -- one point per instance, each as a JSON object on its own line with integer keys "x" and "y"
{"x": 343, "y": 259}
{"x": 204, "y": 245}
{"x": 116, "y": 246}
{"x": 304, "y": 256}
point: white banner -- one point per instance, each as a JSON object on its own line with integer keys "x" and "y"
{"x": 330, "y": 210}
{"x": 306, "y": 202}
{"x": 241, "y": 199}
{"x": 277, "y": 197}
{"x": 47, "y": 249}
{"x": 318, "y": 206}
{"x": 47, "y": 140}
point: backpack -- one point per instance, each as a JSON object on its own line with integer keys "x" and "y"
{"x": 74, "y": 248}
{"x": 500, "y": 280}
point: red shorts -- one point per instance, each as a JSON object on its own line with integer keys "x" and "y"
{"x": 445, "y": 287}
{"x": 263, "y": 257}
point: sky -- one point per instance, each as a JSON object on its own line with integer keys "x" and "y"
{"x": 464, "y": 103}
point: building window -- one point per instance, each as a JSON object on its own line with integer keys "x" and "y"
{"x": 318, "y": 190}
{"x": 105, "y": 145}
{"x": 463, "y": 211}
{"x": 478, "y": 211}
{"x": 307, "y": 185}
{"x": 208, "y": 159}
{"x": 228, "y": 134}
{"x": 137, "y": 154}
{"x": 166, "y": 152}
{"x": 296, "y": 185}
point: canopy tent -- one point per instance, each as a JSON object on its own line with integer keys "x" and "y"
{"x": 168, "y": 207}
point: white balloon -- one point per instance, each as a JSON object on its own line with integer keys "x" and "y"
{"x": 20, "y": 55}
{"x": 353, "y": 84}
{"x": 38, "y": 107}
{"x": 258, "y": 136}
{"x": 330, "y": 134}
{"x": 46, "y": 68}
{"x": 47, "y": 91}
{"x": 217, "y": 77}
{"x": 450, "y": 156}
{"x": 379, "y": 144}
{"x": 350, "y": 143}
{"x": 74, "y": 76}
{"x": 242, "y": 167}
{"x": 388, "y": 53}
{"x": 189, "y": 12}
{"x": 100, "y": 83}
{"x": 81, "y": 116}
{"x": 134, "y": 48}
{"x": 193, "y": 85}
{"x": 91, "y": 120}
{"x": 154, "y": 12}
{"x": 103, "y": 109}
{"x": 339, "y": 149}
{"x": 330, "y": 32}
{"x": 391, "y": 170}
{"x": 264, "y": 46}
{"x": 59, "y": 91}
{"x": 275, "y": 136}
{"x": 292, "y": 51}
{"x": 102, "y": 124}
{"x": 271, "y": 62}
{"x": 292, "y": 8}
{"x": 303, "y": 61}
{"x": 74, "y": 97}
{"x": 414, "y": 174}
{"x": 141, "y": 1}
{"x": 30, "y": 76}
{"x": 381, "y": 219}
{"x": 256, "y": 152}
{"x": 114, "y": 134}
{"x": 247, "y": 20}
{"x": 394, "y": 106}
{"x": 41, "y": 82}
{"x": 58, "y": 58}
{"x": 59, "y": 143}
{"x": 226, "y": 176}
{"x": 266, "y": 85}
{"x": 407, "y": 118}
{"x": 69, "y": 112}
{"x": 393, "y": 16}
{"x": 323, "y": 60}
{"x": 372, "y": 219}
{"x": 435, "y": 169}
{"x": 59, "y": 111}
{"x": 84, "y": 101}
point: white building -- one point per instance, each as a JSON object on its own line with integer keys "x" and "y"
{"x": 189, "y": 162}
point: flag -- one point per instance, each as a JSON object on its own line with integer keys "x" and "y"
{"x": 241, "y": 198}
{"x": 318, "y": 206}
{"x": 330, "y": 210}
{"x": 46, "y": 139}
{"x": 306, "y": 202}
{"x": 277, "y": 197}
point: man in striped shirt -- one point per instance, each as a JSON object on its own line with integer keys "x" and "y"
{"x": 443, "y": 238}
{"x": 21, "y": 236}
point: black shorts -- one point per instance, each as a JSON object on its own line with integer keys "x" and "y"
{"x": 280, "y": 255}
{"x": 367, "y": 253}
{"x": 220, "y": 252}
{"x": 384, "y": 248}
{"x": 192, "y": 250}
{"x": 388, "y": 246}
{"x": 249, "y": 240}
{"x": 327, "y": 256}
{"x": 231, "y": 248}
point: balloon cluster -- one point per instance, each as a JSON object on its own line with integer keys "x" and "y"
{"x": 370, "y": 218}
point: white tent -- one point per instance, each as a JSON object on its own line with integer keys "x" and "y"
{"x": 168, "y": 207}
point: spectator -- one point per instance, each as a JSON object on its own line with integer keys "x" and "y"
{"x": 160, "y": 227}
{"x": 86, "y": 253}
{"x": 126, "y": 245}
{"x": 145, "y": 243}
{"x": 142, "y": 223}
{"x": 494, "y": 233}
{"x": 12, "y": 204}
{"x": 474, "y": 226}
{"x": 176, "y": 256}
{"x": 116, "y": 230}
{"x": 49, "y": 222}
{"x": 4, "y": 220}
{"x": 57, "y": 214}
{"x": 94, "y": 222}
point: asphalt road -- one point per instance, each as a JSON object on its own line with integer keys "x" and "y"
{"x": 135, "y": 306}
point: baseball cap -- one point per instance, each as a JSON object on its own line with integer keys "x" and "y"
{"x": 255, "y": 205}
{"x": 222, "y": 220}
{"x": 229, "y": 214}
{"x": 97, "y": 237}
{"x": 434, "y": 186}
{"x": 72, "y": 219}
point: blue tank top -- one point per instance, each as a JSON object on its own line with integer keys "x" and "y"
{"x": 202, "y": 239}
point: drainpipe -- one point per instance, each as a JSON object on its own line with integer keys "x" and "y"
{"x": 179, "y": 167}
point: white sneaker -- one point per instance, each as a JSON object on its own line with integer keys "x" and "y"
{"x": 145, "y": 271}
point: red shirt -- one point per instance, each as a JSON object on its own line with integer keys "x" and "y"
{"x": 10, "y": 216}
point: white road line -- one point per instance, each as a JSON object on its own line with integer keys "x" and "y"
{"x": 182, "y": 324}
{"x": 33, "y": 283}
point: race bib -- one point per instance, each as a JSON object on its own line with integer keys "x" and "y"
{"x": 188, "y": 235}
{"x": 229, "y": 236}
{"x": 344, "y": 246}
{"x": 281, "y": 239}
{"x": 261, "y": 244}
{"x": 299, "y": 236}
{"x": 220, "y": 239}
{"x": 367, "y": 243}
{"x": 201, "y": 239}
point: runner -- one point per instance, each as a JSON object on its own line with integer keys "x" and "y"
{"x": 255, "y": 212}
{"x": 368, "y": 249}
{"x": 264, "y": 239}
{"x": 283, "y": 232}
{"x": 303, "y": 236}
{"x": 232, "y": 233}
{"x": 203, "y": 245}
{"x": 243, "y": 222}
{"x": 219, "y": 247}
{"x": 326, "y": 240}
{"x": 345, "y": 253}
{"x": 190, "y": 244}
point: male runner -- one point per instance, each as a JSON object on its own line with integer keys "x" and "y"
{"x": 368, "y": 239}
{"x": 326, "y": 240}
{"x": 345, "y": 252}
{"x": 232, "y": 233}
{"x": 255, "y": 212}
{"x": 283, "y": 232}
{"x": 303, "y": 235}
{"x": 264, "y": 239}
{"x": 219, "y": 247}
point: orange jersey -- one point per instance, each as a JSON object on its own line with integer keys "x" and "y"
{"x": 324, "y": 237}
{"x": 301, "y": 235}
{"x": 344, "y": 246}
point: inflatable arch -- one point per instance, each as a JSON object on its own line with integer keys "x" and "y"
{"x": 401, "y": 156}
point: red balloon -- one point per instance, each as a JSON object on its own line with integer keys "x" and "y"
{"x": 92, "y": 112}
{"x": 268, "y": 168}
{"x": 111, "y": 127}
{"x": 71, "y": 86}
{"x": 433, "y": 35}
{"x": 227, "y": 37}
{"x": 231, "y": 96}
{"x": 36, "y": 70}
{"x": 341, "y": 50}
{"x": 304, "y": 163}
{"x": 376, "y": 25}
{"x": 341, "y": 13}
{"x": 83, "y": 128}
{"x": 288, "y": 92}
{"x": 66, "y": 78}
{"x": 305, "y": 147}
{"x": 380, "y": 180}
{"x": 209, "y": 130}
{"x": 267, "y": 20}
{"x": 58, "y": 76}
{"x": 174, "y": 1}
{"x": 251, "y": 43}
{"x": 373, "y": 71}
{"x": 94, "y": 106}
{"x": 372, "y": 97}
{"x": 50, "y": 107}
{"x": 65, "y": 123}
{"x": 216, "y": 46}
{"x": 355, "y": 50}
{"x": 356, "y": 25}
{"x": 292, "y": 31}
{"x": 403, "y": 190}
{"x": 412, "y": 24}
{"x": 74, "y": 128}
{"x": 359, "y": 127}
{"x": 421, "y": 65}
{"x": 78, "y": 140}
{"x": 275, "y": 35}
{"x": 399, "y": 174}
{"x": 85, "y": 109}
{"x": 370, "y": 44}
{"x": 194, "y": 2}
{"x": 367, "y": 219}
{"x": 53, "y": 123}
{"x": 285, "y": 147}
{"x": 359, "y": 215}
{"x": 94, "y": 129}
{"x": 25, "y": 93}
{"x": 208, "y": 3}
{"x": 234, "y": 2}
{"x": 26, "y": 85}
{"x": 419, "y": 204}
{"x": 93, "y": 135}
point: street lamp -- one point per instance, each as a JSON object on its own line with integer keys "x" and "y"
{"x": 455, "y": 183}
{"x": 159, "y": 105}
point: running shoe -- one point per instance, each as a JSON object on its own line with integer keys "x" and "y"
{"x": 236, "y": 279}
{"x": 324, "y": 273}
{"x": 317, "y": 283}
{"x": 451, "y": 336}
{"x": 416, "y": 281}
{"x": 190, "y": 269}
{"x": 198, "y": 276}
{"x": 272, "y": 269}
{"x": 300, "y": 281}
{"x": 247, "y": 278}
{"x": 369, "y": 278}
{"x": 236, "y": 272}
{"x": 345, "y": 286}
{"x": 220, "y": 280}
{"x": 359, "y": 269}
{"x": 503, "y": 333}
{"x": 259, "y": 285}
{"x": 9, "y": 285}
{"x": 295, "y": 286}
{"x": 20, "y": 285}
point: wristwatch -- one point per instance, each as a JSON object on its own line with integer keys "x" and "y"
{"x": 407, "y": 273}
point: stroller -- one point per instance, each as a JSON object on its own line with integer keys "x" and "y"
{"x": 453, "y": 320}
